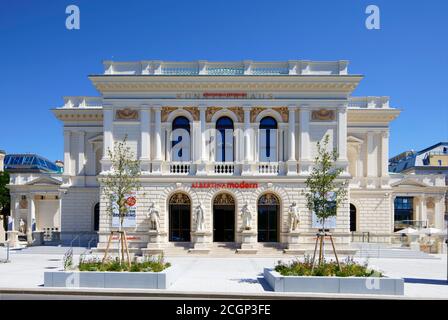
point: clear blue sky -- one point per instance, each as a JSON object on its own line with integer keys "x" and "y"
{"x": 41, "y": 61}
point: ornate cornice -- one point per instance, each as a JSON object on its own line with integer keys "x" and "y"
{"x": 76, "y": 114}
{"x": 366, "y": 115}
{"x": 180, "y": 83}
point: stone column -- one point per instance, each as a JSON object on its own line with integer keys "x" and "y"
{"x": 292, "y": 133}
{"x": 80, "y": 166}
{"x": 247, "y": 141}
{"x": 292, "y": 162}
{"x": 31, "y": 218}
{"x": 157, "y": 162}
{"x": 108, "y": 144}
{"x": 342, "y": 132}
{"x": 67, "y": 158}
{"x": 439, "y": 212}
{"x": 384, "y": 158}
{"x": 203, "y": 155}
{"x": 422, "y": 208}
{"x": 145, "y": 139}
{"x": 305, "y": 147}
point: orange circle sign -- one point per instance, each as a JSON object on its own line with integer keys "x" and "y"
{"x": 131, "y": 201}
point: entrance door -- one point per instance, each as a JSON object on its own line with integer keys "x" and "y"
{"x": 224, "y": 218}
{"x": 268, "y": 216}
{"x": 180, "y": 208}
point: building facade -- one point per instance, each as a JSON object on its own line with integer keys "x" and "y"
{"x": 414, "y": 164}
{"x": 225, "y": 149}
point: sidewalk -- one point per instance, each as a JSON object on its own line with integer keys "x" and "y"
{"x": 424, "y": 278}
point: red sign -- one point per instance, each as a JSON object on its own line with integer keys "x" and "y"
{"x": 131, "y": 201}
{"x": 224, "y": 185}
{"x": 237, "y": 95}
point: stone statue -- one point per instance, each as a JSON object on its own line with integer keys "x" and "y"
{"x": 200, "y": 219}
{"x": 22, "y": 226}
{"x": 246, "y": 216}
{"x": 293, "y": 217}
{"x": 154, "y": 217}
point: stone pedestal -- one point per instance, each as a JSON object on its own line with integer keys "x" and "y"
{"x": 201, "y": 240}
{"x": 13, "y": 238}
{"x": 246, "y": 169}
{"x": 291, "y": 168}
{"x": 155, "y": 245}
{"x": 156, "y": 167}
{"x": 293, "y": 243}
{"x": 201, "y": 169}
{"x": 249, "y": 242}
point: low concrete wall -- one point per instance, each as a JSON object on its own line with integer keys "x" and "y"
{"x": 94, "y": 279}
{"x": 354, "y": 285}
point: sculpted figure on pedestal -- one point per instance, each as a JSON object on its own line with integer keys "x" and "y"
{"x": 293, "y": 217}
{"x": 154, "y": 217}
{"x": 246, "y": 216}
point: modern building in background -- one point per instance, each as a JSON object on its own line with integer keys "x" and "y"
{"x": 275, "y": 114}
{"x": 432, "y": 160}
{"x": 35, "y": 198}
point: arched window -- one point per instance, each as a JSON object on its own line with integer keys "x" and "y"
{"x": 268, "y": 139}
{"x": 180, "y": 133}
{"x": 96, "y": 217}
{"x": 224, "y": 140}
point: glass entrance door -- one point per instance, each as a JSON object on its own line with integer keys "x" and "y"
{"x": 268, "y": 216}
{"x": 224, "y": 218}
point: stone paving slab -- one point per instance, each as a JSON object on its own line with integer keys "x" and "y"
{"x": 424, "y": 278}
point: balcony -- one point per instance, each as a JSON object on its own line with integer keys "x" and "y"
{"x": 224, "y": 168}
{"x": 179, "y": 168}
{"x": 268, "y": 168}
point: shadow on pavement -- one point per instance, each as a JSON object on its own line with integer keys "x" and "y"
{"x": 426, "y": 281}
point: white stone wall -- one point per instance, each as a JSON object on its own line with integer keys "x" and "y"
{"x": 374, "y": 212}
{"x": 318, "y": 132}
{"x": 77, "y": 212}
{"x": 160, "y": 193}
{"x": 132, "y": 131}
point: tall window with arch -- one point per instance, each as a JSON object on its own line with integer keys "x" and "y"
{"x": 180, "y": 139}
{"x": 268, "y": 140}
{"x": 224, "y": 140}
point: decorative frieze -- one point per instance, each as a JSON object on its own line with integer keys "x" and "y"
{"x": 166, "y": 112}
{"x": 210, "y": 112}
{"x": 323, "y": 115}
{"x": 194, "y": 111}
{"x": 126, "y": 114}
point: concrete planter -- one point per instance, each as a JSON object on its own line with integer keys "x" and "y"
{"x": 353, "y": 285}
{"x": 94, "y": 279}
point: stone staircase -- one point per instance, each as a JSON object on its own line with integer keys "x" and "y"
{"x": 378, "y": 250}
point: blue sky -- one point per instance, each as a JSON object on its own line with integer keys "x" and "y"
{"x": 41, "y": 61}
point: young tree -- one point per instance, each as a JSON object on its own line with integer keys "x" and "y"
{"x": 4, "y": 196}
{"x": 324, "y": 193}
{"x": 118, "y": 186}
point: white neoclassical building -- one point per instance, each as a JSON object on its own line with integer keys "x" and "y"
{"x": 238, "y": 174}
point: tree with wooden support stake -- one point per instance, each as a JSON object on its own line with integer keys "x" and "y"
{"x": 324, "y": 194}
{"x": 119, "y": 186}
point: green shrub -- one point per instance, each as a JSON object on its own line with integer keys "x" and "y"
{"x": 114, "y": 265}
{"x": 349, "y": 268}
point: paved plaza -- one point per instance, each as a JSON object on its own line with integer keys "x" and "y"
{"x": 424, "y": 278}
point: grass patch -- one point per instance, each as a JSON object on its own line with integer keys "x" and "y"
{"x": 114, "y": 265}
{"x": 349, "y": 268}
